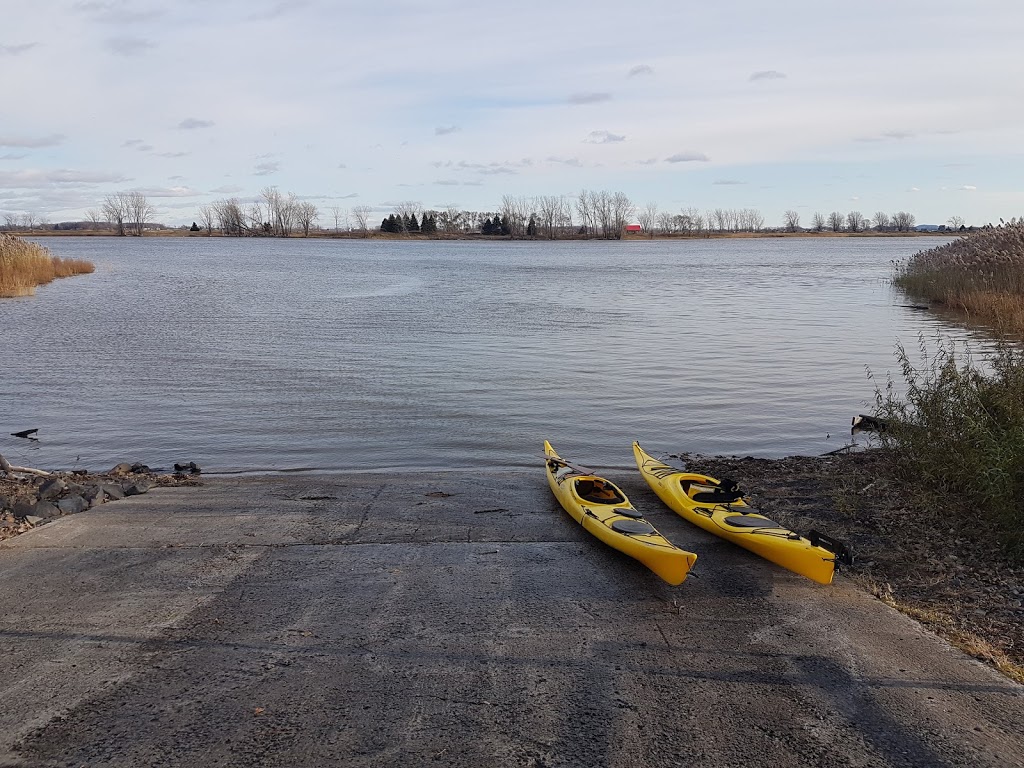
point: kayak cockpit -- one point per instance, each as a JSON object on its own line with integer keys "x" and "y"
{"x": 598, "y": 491}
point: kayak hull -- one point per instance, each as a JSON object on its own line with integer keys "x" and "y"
{"x": 615, "y": 522}
{"x": 734, "y": 521}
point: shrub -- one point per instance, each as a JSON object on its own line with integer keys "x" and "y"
{"x": 956, "y": 436}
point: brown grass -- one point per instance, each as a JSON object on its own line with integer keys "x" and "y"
{"x": 24, "y": 265}
{"x": 981, "y": 274}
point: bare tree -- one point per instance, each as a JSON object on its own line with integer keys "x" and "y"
{"x": 903, "y": 221}
{"x": 835, "y": 221}
{"x": 361, "y": 214}
{"x": 955, "y": 222}
{"x": 647, "y": 216}
{"x": 791, "y": 220}
{"x": 207, "y": 216}
{"x": 666, "y": 222}
{"x": 94, "y": 218}
{"x": 306, "y": 214}
{"x": 230, "y": 217}
{"x": 855, "y": 221}
{"x": 115, "y": 210}
{"x": 586, "y": 208}
{"x": 622, "y": 211}
{"x": 818, "y": 222}
{"x": 881, "y": 221}
{"x": 139, "y": 211}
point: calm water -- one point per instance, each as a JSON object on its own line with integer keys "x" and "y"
{"x": 268, "y": 354}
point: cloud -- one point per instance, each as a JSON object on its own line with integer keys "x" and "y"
{"x": 767, "y": 74}
{"x": 914, "y": 189}
{"x": 32, "y": 142}
{"x": 648, "y": 161}
{"x": 687, "y": 157}
{"x": 342, "y": 165}
{"x": 267, "y": 168}
{"x": 448, "y": 182}
{"x": 36, "y": 179}
{"x": 277, "y": 10}
{"x": 641, "y": 69}
{"x": 968, "y": 188}
{"x": 589, "y": 98}
{"x": 116, "y": 12}
{"x": 444, "y": 130}
{"x": 12, "y": 156}
{"x": 487, "y": 169}
{"x": 168, "y": 191}
{"x": 572, "y": 162}
{"x": 128, "y": 46}
{"x": 192, "y": 123}
{"x": 228, "y": 190}
{"x": 16, "y": 50}
{"x": 898, "y": 135}
{"x": 172, "y": 154}
{"x": 603, "y": 137}
{"x": 132, "y": 142}
{"x": 728, "y": 183}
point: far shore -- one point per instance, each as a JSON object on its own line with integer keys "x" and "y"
{"x": 326, "y": 234}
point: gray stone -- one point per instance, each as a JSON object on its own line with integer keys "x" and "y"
{"x": 24, "y": 507}
{"x": 51, "y": 488}
{"x": 6, "y": 502}
{"x": 121, "y": 469}
{"x": 76, "y": 489}
{"x": 136, "y": 487}
{"x": 46, "y": 509}
{"x": 94, "y": 495}
{"x": 72, "y": 505}
{"x": 33, "y": 519}
{"x": 114, "y": 492}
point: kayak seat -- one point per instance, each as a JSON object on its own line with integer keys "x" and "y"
{"x": 640, "y": 527}
{"x": 717, "y": 496}
{"x": 598, "y": 492}
{"x": 749, "y": 521}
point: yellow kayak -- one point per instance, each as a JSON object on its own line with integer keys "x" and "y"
{"x": 603, "y": 510}
{"x": 718, "y": 507}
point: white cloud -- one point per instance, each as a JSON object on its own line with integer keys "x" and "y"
{"x": 641, "y": 69}
{"x": 687, "y": 157}
{"x": 16, "y": 50}
{"x": 34, "y": 179}
{"x": 192, "y": 123}
{"x": 444, "y": 130}
{"x": 603, "y": 137}
{"x": 32, "y": 142}
{"x": 267, "y": 168}
{"x": 129, "y": 46}
{"x": 767, "y": 74}
{"x": 968, "y": 188}
{"x": 589, "y": 98}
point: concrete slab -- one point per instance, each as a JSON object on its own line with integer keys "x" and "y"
{"x": 458, "y": 619}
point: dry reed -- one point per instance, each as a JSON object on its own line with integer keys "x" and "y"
{"x": 981, "y": 274}
{"x": 25, "y": 265}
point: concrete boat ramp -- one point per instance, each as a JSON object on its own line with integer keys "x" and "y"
{"x": 453, "y": 619}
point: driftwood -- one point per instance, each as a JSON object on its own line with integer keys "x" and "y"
{"x": 6, "y": 466}
{"x": 26, "y": 433}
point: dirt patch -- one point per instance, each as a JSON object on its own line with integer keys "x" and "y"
{"x": 939, "y": 566}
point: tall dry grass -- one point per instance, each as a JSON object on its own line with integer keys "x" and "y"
{"x": 25, "y": 265}
{"x": 981, "y": 274}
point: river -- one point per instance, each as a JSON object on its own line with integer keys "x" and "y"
{"x": 257, "y": 355}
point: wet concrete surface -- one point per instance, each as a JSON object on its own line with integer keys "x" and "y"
{"x": 454, "y": 619}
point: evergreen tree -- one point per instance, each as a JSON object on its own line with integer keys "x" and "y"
{"x": 531, "y": 228}
{"x": 488, "y": 227}
{"x": 504, "y": 227}
{"x": 411, "y": 225}
{"x": 429, "y": 224}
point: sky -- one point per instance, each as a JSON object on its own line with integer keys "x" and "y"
{"x": 791, "y": 105}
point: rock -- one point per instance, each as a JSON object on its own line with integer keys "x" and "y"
{"x": 121, "y": 469}
{"x": 33, "y": 519}
{"x": 75, "y": 488}
{"x": 51, "y": 488}
{"x": 72, "y": 505}
{"x": 24, "y": 507}
{"x": 140, "y": 469}
{"x": 6, "y": 502}
{"x": 46, "y": 509}
{"x": 114, "y": 492}
{"x": 136, "y": 487}
{"x": 94, "y": 495}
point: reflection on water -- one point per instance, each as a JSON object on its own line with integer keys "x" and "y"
{"x": 364, "y": 355}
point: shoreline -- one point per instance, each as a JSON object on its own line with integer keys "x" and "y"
{"x": 940, "y": 572}
{"x": 376, "y": 235}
